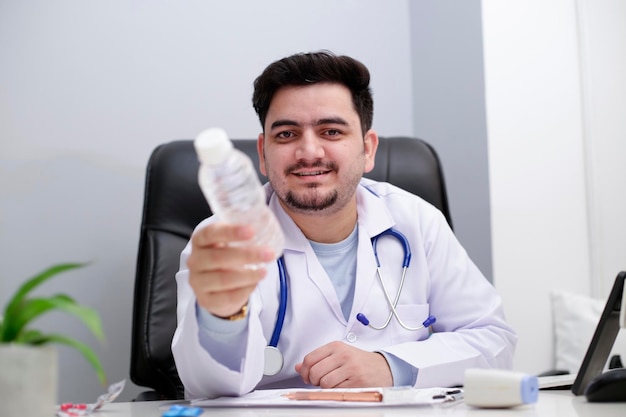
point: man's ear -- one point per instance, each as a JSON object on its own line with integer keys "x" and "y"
{"x": 370, "y": 142}
{"x": 259, "y": 148}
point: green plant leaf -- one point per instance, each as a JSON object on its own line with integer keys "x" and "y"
{"x": 30, "y": 337}
{"x": 23, "y": 313}
{"x": 20, "y": 311}
{"x": 37, "y": 338}
{"x": 30, "y": 309}
{"x": 27, "y": 287}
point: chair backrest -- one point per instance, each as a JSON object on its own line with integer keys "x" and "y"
{"x": 174, "y": 205}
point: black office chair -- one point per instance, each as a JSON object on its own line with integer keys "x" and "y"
{"x": 174, "y": 205}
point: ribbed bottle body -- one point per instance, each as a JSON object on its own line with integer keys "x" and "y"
{"x": 236, "y": 196}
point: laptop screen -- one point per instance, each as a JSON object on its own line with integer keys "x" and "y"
{"x": 603, "y": 338}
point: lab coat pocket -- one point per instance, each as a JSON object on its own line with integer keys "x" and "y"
{"x": 412, "y": 316}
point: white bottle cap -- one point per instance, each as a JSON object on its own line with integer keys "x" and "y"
{"x": 212, "y": 146}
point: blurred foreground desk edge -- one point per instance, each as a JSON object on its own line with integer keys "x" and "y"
{"x": 551, "y": 403}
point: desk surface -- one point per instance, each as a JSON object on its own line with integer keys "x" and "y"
{"x": 551, "y": 403}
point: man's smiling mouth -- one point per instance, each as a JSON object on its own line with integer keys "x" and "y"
{"x": 310, "y": 174}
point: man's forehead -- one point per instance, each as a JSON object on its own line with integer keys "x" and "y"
{"x": 303, "y": 122}
{"x": 316, "y": 104}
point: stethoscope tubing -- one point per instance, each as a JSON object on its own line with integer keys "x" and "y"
{"x": 273, "y": 357}
{"x": 393, "y": 303}
{"x": 401, "y": 238}
{"x": 282, "y": 306}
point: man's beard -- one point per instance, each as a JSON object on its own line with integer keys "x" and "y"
{"x": 313, "y": 202}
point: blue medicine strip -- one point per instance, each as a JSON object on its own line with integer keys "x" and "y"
{"x": 183, "y": 411}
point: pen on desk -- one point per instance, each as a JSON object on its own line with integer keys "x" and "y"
{"x": 362, "y": 396}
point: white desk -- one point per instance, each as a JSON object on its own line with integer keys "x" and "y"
{"x": 551, "y": 403}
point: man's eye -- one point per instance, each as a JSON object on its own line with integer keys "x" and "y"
{"x": 284, "y": 135}
{"x": 333, "y": 132}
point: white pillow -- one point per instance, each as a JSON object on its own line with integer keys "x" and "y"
{"x": 575, "y": 318}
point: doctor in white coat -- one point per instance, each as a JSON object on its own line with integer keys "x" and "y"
{"x": 316, "y": 111}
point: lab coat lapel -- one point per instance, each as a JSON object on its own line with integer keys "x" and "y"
{"x": 319, "y": 277}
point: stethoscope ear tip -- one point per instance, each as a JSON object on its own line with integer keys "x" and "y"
{"x": 362, "y": 319}
{"x": 429, "y": 321}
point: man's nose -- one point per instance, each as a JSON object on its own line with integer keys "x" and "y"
{"x": 310, "y": 147}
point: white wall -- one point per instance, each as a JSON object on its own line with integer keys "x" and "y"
{"x": 602, "y": 41}
{"x": 556, "y": 135}
{"x": 449, "y": 112}
{"x": 88, "y": 89}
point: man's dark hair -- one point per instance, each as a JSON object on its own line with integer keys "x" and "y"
{"x": 311, "y": 68}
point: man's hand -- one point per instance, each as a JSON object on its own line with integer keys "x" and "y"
{"x": 338, "y": 365}
{"x": 217, "y": 271}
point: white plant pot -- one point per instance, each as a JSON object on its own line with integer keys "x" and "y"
{"x": 28, "y": 380}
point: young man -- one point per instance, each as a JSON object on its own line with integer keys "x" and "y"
{"x": 316, "y": 112}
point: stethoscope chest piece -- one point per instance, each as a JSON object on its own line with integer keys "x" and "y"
{"x": 273, "y": 361}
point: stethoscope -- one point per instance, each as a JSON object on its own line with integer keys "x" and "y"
{"x": 274, "y": 359}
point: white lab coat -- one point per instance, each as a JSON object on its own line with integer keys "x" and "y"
{"x": 470, "y": 330}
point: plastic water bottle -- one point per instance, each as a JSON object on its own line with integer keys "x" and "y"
{"x": 232, "y": 188}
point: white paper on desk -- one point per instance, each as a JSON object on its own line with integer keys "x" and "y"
{"x": 404, "y": 396}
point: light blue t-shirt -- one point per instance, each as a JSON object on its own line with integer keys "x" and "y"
{"x": 339, "y": 262}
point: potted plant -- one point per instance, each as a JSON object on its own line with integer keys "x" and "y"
{"x": 28, "y": 362}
